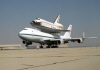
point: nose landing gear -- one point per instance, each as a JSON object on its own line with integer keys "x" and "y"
{"x": 27, "y": 43}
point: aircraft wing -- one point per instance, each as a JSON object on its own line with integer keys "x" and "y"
{"x": 73, "y": 39}
{"x": 65, "y": 40}
{"x": 79, "y": 40}
{"x": 90, "y": 37}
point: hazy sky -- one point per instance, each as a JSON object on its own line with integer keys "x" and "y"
{"x": 84, "y": 15}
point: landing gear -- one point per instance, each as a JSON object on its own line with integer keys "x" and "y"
{"x": 26, "y": 45}
{"x": 48, "y": 46}
{"x": 41, "y": 46}
{"x": 54, "y": 46}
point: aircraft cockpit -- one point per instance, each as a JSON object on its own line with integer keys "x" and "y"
{"x": 25, "y": 29}
{"x": 37, "y": 18}
{"x": 37, "y": 21}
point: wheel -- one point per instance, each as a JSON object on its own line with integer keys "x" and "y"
{"x": 47, "y": 46}
{"x": 41, "y": 46}
{"x": 26, "y": 45}
{"x": 54, "y": 46}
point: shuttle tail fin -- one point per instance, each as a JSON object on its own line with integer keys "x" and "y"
{"x": 57, "y": 19}
{"x": 68, "y": 34}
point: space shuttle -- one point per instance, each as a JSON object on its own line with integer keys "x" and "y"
{"x": 48, "y": 27}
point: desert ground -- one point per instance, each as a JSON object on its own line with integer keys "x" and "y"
{"x": 74, "y": 58}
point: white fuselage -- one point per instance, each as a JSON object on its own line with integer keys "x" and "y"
{"x": 33, "y": 35}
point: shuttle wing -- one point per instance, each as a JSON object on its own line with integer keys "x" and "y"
{"x": 49, "y": 30}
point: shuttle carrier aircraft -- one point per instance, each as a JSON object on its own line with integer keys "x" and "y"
{"x": 29, "y": 35}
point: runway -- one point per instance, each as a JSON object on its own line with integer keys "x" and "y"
{"x": 80, "y": 58}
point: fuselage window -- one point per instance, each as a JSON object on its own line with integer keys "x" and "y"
{"x": 25, "y": 29}
{"x": 37, "y": 18}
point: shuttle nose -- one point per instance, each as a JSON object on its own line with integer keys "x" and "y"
{"x": 32, "y": 22}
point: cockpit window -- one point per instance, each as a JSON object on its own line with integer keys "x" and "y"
{"x": 25, "y": 29}
{"x": 37, "y": 18}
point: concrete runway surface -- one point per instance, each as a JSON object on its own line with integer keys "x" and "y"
{"x": 80, "y": 58}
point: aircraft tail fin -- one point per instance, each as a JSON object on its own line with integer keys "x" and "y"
{"x": 83, "y": 37}
{"x": 57, "y": 19}
{"x": 68, "y": 34}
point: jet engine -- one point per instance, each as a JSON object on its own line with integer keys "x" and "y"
{"x": 80, "y": 40}
{"x": 23, "y": 42}
{"x": 28, "y": 43}
{"x": 61, "y": 41}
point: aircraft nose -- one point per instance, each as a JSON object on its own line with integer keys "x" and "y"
{"x": 20, "y": 34}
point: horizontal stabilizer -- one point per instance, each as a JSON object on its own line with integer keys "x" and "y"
{"x": 90, "y": 37}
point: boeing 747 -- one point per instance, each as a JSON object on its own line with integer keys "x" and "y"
{"x": 29, "y": 35}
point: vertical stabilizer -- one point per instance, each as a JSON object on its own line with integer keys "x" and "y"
{"x": 57, "y": 19}
{"x": 68, "y": 34}
{"x": 83, "y": 36}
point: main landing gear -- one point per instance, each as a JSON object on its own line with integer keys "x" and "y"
{"x": 54, "y": 46}
{"x": 41, "y": 46}
{"x": 26, "y": 45}
{"x": 49, "y": 46}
